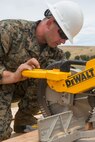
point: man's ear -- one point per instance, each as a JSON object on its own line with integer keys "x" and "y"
{"x": 50, "y": 21}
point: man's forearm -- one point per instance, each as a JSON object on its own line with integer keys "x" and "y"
{"x": 8, "y": 77}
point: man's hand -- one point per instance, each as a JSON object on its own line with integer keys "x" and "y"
{"x": 29, "y": 65}
{"x": 13, "y": 77}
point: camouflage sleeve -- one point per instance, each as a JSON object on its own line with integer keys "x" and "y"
{"x": 2, "y": 67}
{"x": 4, "y": 45}
{"x": 2, "y": 56}
{"x": 5, "y": 36}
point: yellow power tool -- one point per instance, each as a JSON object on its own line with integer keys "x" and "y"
{"x": 62, "y": 88}
{"x": 64, "y": 81}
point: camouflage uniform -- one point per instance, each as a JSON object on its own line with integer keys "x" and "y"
{"x": 18, "y": 44}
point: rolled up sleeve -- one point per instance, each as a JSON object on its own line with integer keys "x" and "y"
{"x": 2, "y": 68}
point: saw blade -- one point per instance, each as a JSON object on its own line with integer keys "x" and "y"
{"x": 52, "y": 102}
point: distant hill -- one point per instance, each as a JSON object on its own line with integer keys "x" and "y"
{"x": 79, "y": 50}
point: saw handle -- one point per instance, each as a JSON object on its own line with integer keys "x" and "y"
{"x": 65, "y": 67}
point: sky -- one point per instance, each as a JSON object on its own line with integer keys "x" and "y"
{"x": 34, "y": 10}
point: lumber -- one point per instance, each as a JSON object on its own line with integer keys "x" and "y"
{"x": 26, "y": 137}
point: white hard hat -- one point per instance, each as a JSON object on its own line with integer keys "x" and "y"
{"x": 69, "y": 17}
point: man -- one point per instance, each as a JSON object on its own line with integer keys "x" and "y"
{"x": 28, "y": 45}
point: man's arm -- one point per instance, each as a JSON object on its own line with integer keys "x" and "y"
{"x": 13, "y": 77}
{"x": 7, "y": 35}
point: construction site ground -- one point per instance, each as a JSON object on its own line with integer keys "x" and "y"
{"x": 34, "y": 135}
{"x": 26, "y": 137}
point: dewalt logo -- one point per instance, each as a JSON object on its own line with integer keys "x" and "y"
{"x": 76, "y": 79}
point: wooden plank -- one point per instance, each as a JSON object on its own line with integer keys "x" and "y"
{"x": 27, "y": 137}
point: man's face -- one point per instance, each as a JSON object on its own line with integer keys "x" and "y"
{"x": 53, "y": 34}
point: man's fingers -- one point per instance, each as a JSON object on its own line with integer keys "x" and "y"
{"x": 33, "y": 62}
{"x": 24, "y": 67}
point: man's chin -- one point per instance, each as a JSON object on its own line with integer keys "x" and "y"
{"x": 53, "y": 45}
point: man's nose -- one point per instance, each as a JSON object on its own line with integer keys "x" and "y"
{"x": 63, "y": 41}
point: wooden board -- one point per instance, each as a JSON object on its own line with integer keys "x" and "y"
{"x": 27, "y": 137}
